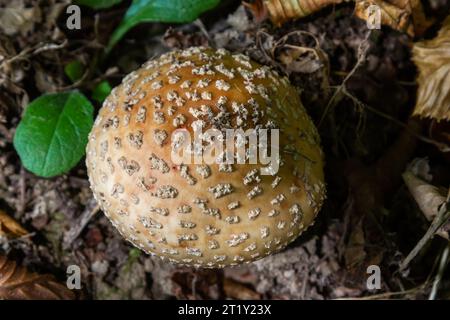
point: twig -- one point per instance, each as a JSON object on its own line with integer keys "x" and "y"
{"x": 441, "y": 146}
{"x": 29, "y": 52}
{"x": 440, "y": 273}
{"x": 439, "y": 220}
{"x": 201, "y": 26}
{"x": 304, "y": 286}
{"x": 388, "y": 294}
{"x": 269, "y": 58}
{"x": 91, "y": 209}
{"x": 25, "y": 237}
{"x": 86, "y": 75}
{"x": 92, "y": 67}
{"x": 362, "y": 51}
{"x": 193, "y": 283}
{"x": 22, "y": 192}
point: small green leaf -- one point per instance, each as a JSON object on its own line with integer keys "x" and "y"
{"x": 74, "y": 70}
{"x": 134, "y": 254}
{"x": 98, "y": 4}
{"x": 52, "y": 135}
{"x": 174, "y": 11}
{"x": 101, "y": 91}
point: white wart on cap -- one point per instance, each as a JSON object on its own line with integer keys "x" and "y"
{"x": 197, "y": 214}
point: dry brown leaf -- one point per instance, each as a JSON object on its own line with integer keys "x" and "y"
{"x": 17, "y": 283}
{"x": 402, "y": 15}
{"x": 432, "y": 58}
{"x": 281, "y": 11}
{"x": 9, "y": 228}
{"x": 258, "y": 9}
{"x": 392, "y": 15}
{"x": 238, "y": 290}
{"x": 435, "y": 207}
{"x": 428, "y": 197}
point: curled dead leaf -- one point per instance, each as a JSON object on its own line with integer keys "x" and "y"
{"x": 9, "y": 228}
{"x": 435, "y": 207}
{"x": 429, "y": 198}
{"x": 432, "y": 58}
{"x": 17, "y": 283}
{"x": 402, "y": 15}
{"x": 281, "y": 11}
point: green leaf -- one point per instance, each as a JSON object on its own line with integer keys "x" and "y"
{"x": 52, "y": 135}
{"x": 97, "y": 4}
{"x": 173, "y": 11}
{"x": 101, "y": 91}
{"x": 74, "y": 70}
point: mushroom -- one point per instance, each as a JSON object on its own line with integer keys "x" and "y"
{"x": 204, "y": 214}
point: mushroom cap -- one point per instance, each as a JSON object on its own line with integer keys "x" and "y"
{"x": 197, "y": 214}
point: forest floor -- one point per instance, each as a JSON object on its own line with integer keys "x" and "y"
{"x": 369, "y": 139}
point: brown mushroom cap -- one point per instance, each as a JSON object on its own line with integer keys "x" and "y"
{"x": 197, "y": 214}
